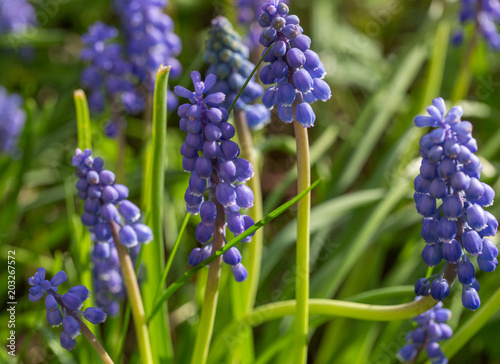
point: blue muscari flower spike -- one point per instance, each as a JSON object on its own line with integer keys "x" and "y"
{"x": 213, "y": 160}
{"x": 486, "y": 15}
{"x": 16, "y": 16}
{"x": 12, "y": 120}
{"x": 228, "y": 59}
{"x": 64, "y": 309}
{"x": 450, "y": 172}
{"x": 102, "y": 195}
{"x": 430, "y": 329}
{"x": 109, "y": 76}
{"x": 295, "y": 69}
{"x": 150, "y": 40}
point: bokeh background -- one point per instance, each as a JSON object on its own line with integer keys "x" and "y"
{"x": 386, "y": 61}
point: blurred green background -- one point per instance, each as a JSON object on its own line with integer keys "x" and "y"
{"x": 386, "y": 61}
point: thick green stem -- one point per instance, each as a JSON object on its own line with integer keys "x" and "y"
{"x": 134, "y": 297}
{"x": 302, "y": 254}
{"x": 205, "y": 329}
{"x": 255, "y": 248}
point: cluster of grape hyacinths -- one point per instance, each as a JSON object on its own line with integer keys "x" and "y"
{"x": 12, "y": 120}
{"x": 217, "y": 170}
{"x": 486, "y": 15}
{"x": 16, "y": 16}
{"x": 431, "y": 328}
{"x": 151, "y": 41}
{"x": 109, "y": 76}
{"x": 228, "y": 59}
{"x": 64, "y": 309}
{"x": 450, "y": 172}
{"x": 295, "y": 69}
{"x": 102, "y": 195}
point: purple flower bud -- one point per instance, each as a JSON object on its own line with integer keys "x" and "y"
{"x": 143, "y": 232}
{"x": 429, "y": 230}
{"x": 465, "y": 272}
{"x": 286, "y": 94}
{"x": 51, "y": 303}
{"x": 82, "y": 185}
{"x": 470, "y": 298}
{"x": 197, "y": 184}
{"x": 446, "y": 168}
{"x": 67, "y": 342}
{"x": 295, "y": 58}
{"x": 244, "y": 196}
{"x": 460, "y": 181}
{"x": 487, "y": 197}
{"x": 235, "y": 223}
{"x": 239, "y": 272}
{"x": 81, "y": 291}
{"x": 230, "y": 149}
{"x": 101, "y": 251}
{"x": 285, "y": 113}
{"x": 278, "y": 48}
{"x": 110, "y": 213}
{"x": 426, "y": 206}
{"x": 232, "y": 256}
{"x": 266, "y": 75}
{"x": 129, "y": 211}
{"x": 244, "y": 169}
{"x": 215, "y": 116}
{"x": 452, "y": 207}
{"x": 59, "y": 278}
{"x": 128, "y": 236}
{"x": 227, "y": 171}
{"x": 472, "y": 242}
{"x": 93, "y": 178}
{"x": 406, "y": 353}
{"x": 94, "y": 192}
{"x": 305, "y": 114}
{"x": 225, "y": 194}
{"x": 211, "y": 149}
{"x": 452, "y": 251}
{"x": 447, "y": 230}
{"x": 302, "y": 42}
{"x": 422, "y": 185}
{"x": 72, "y": 301}
{"x": 227, "y": 130}
{"x": 321, "y": 90}
{"x": 107, "y": 177}
{"x": 279, "y": 69}
{"x": 432, "y": 255}
{"x": 110, "y": 194}
{"x": 94, "y": 315}
{"x": 476, "y": 218}
{"x": 422, "y": 287}
{"x": 89, "y": 219}
{"x": 71, "y": 326}
{"x": 204, "y": 232}
{"x": 195, "y": 257}
{"x": 35, "y": 293}
{"x": 489, "y": 251}
{"x": 270, "y": 97}
{"x": 54, "y": 317}
{"x": 440, "y": 289}
{"x": 475, "y": 190}
{"x": 303, "y": 81}
{"x": 491, "y": 227}
{"x": 215, "y": 99}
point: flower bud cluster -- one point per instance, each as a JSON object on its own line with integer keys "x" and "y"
{"x": 108, "y": 74}
{"x": 12, "y": 119}
{"x": 485, "y": 15}
{"x": 431, "y": 329}
{"x": 64, "y": 309}
{"x": 213, "y": 160}
{"x": 151, "y": 41}
{"x": 16, "y": 16}
{"x": 450, "y": 172}
{"x": 228, "y": 59}
{"x": 295, "y": 69}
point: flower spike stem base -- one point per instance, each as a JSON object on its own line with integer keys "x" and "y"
{"x": 94, "y": 342}
{"x": 303, "y": 219}
{"x": 134, "y": 297}
{"x": 202, "y": 344}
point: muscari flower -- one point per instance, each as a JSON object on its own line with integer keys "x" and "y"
{"x": 211, "y": 157}
{"x": 430, "y": 329}
{"x": 458, "y": 228}
{"x": 12, "y": 119}
{"x": 151, "y": 40}
{"x": 64, "y": 309}
{"x": 296, "y": 70}
{"x": 486, "y": 15}
{"x": 109, "y": 76}
{"x": 228, "y": 59}
{"x": 16, "y": 16}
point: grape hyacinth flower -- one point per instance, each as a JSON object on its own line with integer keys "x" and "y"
{"x": 64, "y": 309}
{"x": 106, "y": 201}
{"x": 16, "y": 16}
{"x": 151, "y": 41}
{"x": 431, "y": 328}
{"x": 450, "y": 172}
{"x": 217, "y": 170}
{"x": 109, "y": 76}
{"x": 486, "y": 15}
{"x": 294, "y": 68}
{"x": 228, "y": 59}
{"x": 12, "y": 119}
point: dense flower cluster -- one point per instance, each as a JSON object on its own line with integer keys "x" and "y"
{"x": 12, "y": 119}
{"x": 64, "y": 309}
{"x": 108, "y": 75}
{"x": 151, "y": 40}
{"x": 295, "y": 69}
{"x": 450, "y": 172}
{"x": 16, "y": 16}
{"x": 102, "y": 195}
{"x": 430, "y": 329}
{"x": 228, "y": 59}
{"x": 486, "y": 15}
{"x": 217, "y": 170}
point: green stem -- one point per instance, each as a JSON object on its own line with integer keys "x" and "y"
{"x": 472, "y": 326}
{"x": 205, "y": 329}
{"x": 134, "y": 297}
{"x": 302, "y": 257}
{"x": 94, "y": 342}
{"x": 463, "y": 79}
{"x": 255, "y": 248}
